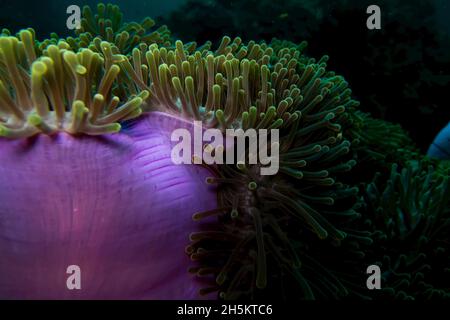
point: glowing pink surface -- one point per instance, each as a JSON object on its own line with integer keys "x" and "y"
{"x": 115, "y": 205}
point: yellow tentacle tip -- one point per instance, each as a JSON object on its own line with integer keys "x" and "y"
{"x": 115, "y": 69}
{"x": 3, "y": 131}
{"x": 26, "y": 35}
{"x": 38, "y": 68}
{"x": 34, "y": 120}
{"x": 81, "y": 70}
{"x": 115, "y": 127}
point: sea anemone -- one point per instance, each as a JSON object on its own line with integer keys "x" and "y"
{"x": 106, "y": 24}
{"x": 265, "y": 222}
{"x": 74, "y": 193}
{"x": 377, "y": 140}
{"x": 262, "y": 225}
{"x": 87, "y": 177}
{"x": 56, "y": 95}
{"x": 376, "y": 145}
{"x": 409, "y": 215}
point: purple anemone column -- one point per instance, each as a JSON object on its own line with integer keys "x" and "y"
{"x": 116, "y": 206}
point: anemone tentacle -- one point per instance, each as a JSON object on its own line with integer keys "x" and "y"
{"x": 60, "y": 90}
{"x": 105, "y": 23}
{"x": 260, "y": 86}
{"x": 409, "y": 215}
{"x": 305, "y": 230}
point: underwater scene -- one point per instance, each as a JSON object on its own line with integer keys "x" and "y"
{"x": 263, "y": 150}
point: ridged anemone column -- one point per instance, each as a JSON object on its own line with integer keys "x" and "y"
{"x": 114, "y": 205}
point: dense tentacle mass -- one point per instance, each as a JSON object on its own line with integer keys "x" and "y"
{"x": 307, "y": 232}
{"x": 59, "y": 90}
{"x": 260, "y": 86}
{"x": 410, "y": 218}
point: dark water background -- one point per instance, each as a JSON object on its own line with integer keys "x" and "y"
{"x": 400, "y": 74}
{"x": 50, "y": 16}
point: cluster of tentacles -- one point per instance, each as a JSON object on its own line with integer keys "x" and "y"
{"x": 307, "y": 232}
{"x": 61, "y": 90}
{"x": 410, "y": 218}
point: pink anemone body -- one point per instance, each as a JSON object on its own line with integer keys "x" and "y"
{"x": 116, "y": 206}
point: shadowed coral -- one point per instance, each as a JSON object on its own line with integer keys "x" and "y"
{"x": 106, "y": 24}
{"x": 376, "y": 145}
{"x": 379, "y": 140}
{"x": 410, "y": 218}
